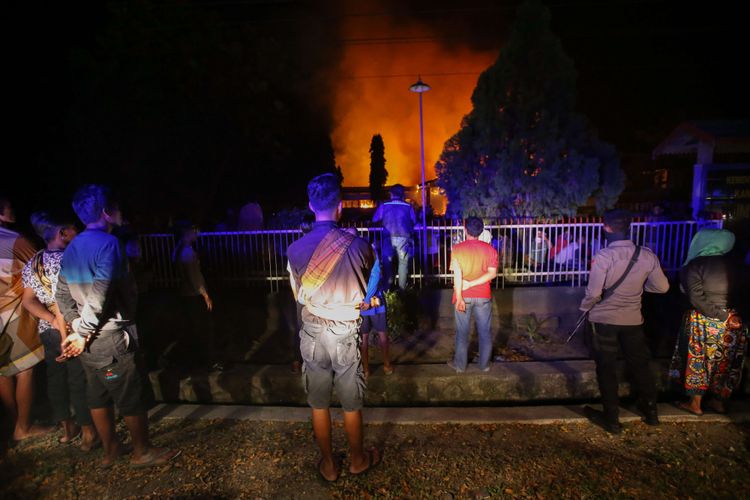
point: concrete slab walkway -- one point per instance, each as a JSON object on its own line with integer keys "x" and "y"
{"x": 533, "y": 415}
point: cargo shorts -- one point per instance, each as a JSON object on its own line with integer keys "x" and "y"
{"x": 331, "y": 359}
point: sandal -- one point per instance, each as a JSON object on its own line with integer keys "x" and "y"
{"x": 371, "y": 460}
{"x": 152, "y": 459}
{"x": 388, "y": 370}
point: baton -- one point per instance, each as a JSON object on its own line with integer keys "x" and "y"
{"x": 580, "y": 322}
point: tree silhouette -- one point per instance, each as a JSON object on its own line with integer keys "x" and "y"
{"x": 522, "y": 150}
{"x": 378, "y": 173}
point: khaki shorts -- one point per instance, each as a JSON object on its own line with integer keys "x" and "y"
{"x": 330, "y": 352}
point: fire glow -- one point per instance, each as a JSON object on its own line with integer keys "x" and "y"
{"x": 372, "y": 96}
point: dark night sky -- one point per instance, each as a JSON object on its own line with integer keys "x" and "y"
{"x": 643, "y": 66}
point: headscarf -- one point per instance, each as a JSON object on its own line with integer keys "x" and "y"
{"x": 710, "y": 242}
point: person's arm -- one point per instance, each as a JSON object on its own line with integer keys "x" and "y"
{"x": 194, "y": 274}
{"x": 292, "y": 281}
{"x": 64, "y": 300}
{"x": 598, "y": 274}
{"x": 378, "y": 216}
{"x": 489, "y": 275}
{"x": 656, "y": 282}
{"x": 693, "y": 286}
{"x": 458, "y": 286}
{"x": 372, "y": 283}
{"x": 37, "y": 309}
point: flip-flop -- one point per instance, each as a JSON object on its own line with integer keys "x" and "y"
{"x": 684, "y": 407}
{"x": 156, "y": 459}
{"x": 388, "y": 371}
{"x": 370, "y": 461}
{"x": 324, "y": 479}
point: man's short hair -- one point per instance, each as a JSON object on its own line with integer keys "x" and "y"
{"x": 398, "y": 192}
{"x": 474, "y": 226}
{"x": 618, "y": 220}
{"x": 324, "y": 192}
{"x": 90, "y": 200}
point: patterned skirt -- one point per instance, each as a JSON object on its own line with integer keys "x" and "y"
{"x": 708, "y": 357}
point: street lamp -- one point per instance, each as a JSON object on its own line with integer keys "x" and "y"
{"x": 420, "y": 88}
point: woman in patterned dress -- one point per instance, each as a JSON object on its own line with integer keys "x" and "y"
{"x": 66, "y": 380}
{"x": 20, "y": 348}
{"x": 707, "y": 362}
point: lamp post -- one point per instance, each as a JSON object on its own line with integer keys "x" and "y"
{"x": 420, "y": 88}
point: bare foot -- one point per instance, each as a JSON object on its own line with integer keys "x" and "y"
{"x": 690, "y": 408}
{"x": 717, "y": 406}
{"x": 115, "y": 453}
{"x": 328, "y": 470}
{"x": 90, "y": 443}
{"x": 154, "y": 457}
{"x": 369, "y": 459}
{"x": 70, "y": 432}
{"x": 388, "y": 369}
{"x": 34, "y": 431}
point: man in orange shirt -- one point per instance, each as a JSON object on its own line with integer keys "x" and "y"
{"x": 474, "y": 266}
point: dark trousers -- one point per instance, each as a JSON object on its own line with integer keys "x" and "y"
{"x": 199, "y": 344}
{"x": 606, "y": 339}
{"x": 66, "y": 381}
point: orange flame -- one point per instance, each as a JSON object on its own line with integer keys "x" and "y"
{"x": 372, "y": 96}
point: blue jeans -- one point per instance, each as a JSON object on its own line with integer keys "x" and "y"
{"x": 482, "y": 309}
{"x": 400, "y": 248}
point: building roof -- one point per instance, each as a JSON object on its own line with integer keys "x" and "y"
{"x": 724, "y": 136}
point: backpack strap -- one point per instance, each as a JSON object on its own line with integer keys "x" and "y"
{"x": 326, "y": 256}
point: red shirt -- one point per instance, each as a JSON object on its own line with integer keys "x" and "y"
{"x": 474, "y": 257}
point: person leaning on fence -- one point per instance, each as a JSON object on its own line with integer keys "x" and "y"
{"x": 619, "y": 275}
{"x": 397, "y": 218}
{"x": 474, "y": 266}
{"x": 96, "y": 295}
{"x": 329, "y": 269}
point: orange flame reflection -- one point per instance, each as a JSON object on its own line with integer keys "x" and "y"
{"x": 372, "y": 96}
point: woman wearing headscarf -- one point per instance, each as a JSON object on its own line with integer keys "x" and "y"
{"x": 66, "y": 380}
{"x": 707, "y": 362}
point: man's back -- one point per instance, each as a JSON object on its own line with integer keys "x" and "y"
{"x": 474, "y": 258}
{"x": 345, "y": 288}
{"x": 397, "y": 217}
{"x": 94, "y": 271}
{"x": 623, "y": 307}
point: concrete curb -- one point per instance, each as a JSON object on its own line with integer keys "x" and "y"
{"x": 529, "y": 415}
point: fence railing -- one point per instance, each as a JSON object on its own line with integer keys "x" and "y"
{"x": 531, "y": 253}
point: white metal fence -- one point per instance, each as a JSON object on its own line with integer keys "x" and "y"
{"x": 531, "y": 253}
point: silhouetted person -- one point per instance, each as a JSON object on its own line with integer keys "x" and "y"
{"x": 397, "y": 218}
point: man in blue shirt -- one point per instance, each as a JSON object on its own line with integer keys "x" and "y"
{"x": 97, "y": 295}
{"x": 397, "y": 218}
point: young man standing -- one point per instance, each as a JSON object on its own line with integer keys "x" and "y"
{"x": 397, "y": 218}
{"x": 96, "y": 295}
{"x": 616, "y": 319}
{"x": 474, "y": 266}
{"x": 329, "y": 271}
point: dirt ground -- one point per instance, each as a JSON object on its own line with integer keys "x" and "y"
{"x": 243, "y": 459}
